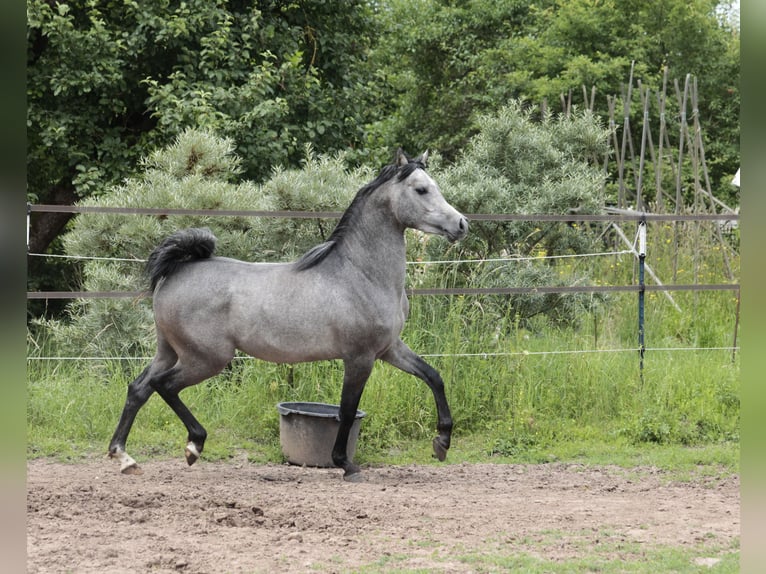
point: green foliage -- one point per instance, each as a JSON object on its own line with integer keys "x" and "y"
{"x": 447, "y": 63}
{"x": 518, "y": 164}
{"x": 518, "y": 396}
{"x": 432, "y": 57}
{"x": 528, "y": 405}
{"x": 273, "y": 78}
{"x": 514, "y": 389}
{"x": 108, "y": 81}
{"x": 534, "y": 167}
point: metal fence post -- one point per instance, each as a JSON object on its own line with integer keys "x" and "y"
{"x": 641, "y": 292}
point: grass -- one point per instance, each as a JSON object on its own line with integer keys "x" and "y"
{"x": 523, "y": 408}
{"x": 567, "y": 552}
{"x": 608, "y": 557}
{"x": 521, "y": 389}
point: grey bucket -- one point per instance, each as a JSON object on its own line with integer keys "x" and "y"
{"x": 307, "y": 432}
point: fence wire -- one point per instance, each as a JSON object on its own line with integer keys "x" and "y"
{"x": 487, "y": 355}
{"x": 614, "y": 216}
{"x": 623, "y": 215}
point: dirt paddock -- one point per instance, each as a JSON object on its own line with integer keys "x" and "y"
{"x": 239, "y": 517}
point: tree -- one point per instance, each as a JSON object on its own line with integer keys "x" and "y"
{"x": 472, "y": 57}
{"x": 435, "y": 57}
{"x": 110, "y": 80}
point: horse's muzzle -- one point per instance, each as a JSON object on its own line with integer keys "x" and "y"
{"x": 460, "y": 232}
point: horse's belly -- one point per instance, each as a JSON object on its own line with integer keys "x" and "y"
{"x": 287, "y": 352}
{"x": 304, "y": 341}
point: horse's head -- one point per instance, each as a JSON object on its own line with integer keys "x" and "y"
{"x": 419, "y": 203}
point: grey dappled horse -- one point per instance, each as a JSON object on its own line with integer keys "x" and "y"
{"x": 344, "y": 299}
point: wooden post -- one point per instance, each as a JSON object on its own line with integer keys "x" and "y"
{"x": 641, "y": 157}
{"x": 626, "y": 139}
{"x": 661, "y": 97}
{"x": 679, "y": 195}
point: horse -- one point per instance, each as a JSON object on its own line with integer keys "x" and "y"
{"x": 343, "y": 299}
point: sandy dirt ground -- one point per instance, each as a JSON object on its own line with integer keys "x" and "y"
{"x": 238, "y": 517}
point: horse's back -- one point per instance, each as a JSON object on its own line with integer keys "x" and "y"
{"x": 272, "y": 311}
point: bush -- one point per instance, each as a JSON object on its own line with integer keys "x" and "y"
{"x": 519, "y": 165}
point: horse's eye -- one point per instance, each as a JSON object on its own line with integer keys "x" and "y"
{"x": 421, "y": 190}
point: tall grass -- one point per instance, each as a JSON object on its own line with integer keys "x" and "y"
{"x": 518, "y": 390}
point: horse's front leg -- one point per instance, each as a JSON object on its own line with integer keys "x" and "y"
{"x": 356, "y": 373}
{"x": 404, "y": 358}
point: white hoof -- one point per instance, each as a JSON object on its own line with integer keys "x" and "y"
{"x": 192, "y": 454}
{"x": 127, "y": 464}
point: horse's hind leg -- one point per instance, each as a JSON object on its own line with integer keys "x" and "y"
{"x": 196, "y": 432}
{"x": 404, "y": 358}
{"x": 139, "y": 392}
{"x": 188, "y": 372}
{"x": 167, "y": 382}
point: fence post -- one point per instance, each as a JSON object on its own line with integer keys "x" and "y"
{"x": 736, "y": 328}
{"x": 641, "y": 292}
{"x": 29, "y": 212}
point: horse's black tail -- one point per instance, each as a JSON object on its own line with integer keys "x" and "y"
{"x": 182, "y": 246}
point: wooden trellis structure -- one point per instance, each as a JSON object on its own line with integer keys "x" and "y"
{"x": 671, "y": 145}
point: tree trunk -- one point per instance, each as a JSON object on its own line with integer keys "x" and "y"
{"x": 45, "y": 227}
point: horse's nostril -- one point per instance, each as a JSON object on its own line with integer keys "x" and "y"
{"x": 463, "y": 224}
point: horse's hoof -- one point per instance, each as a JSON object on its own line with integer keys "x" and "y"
{"x": 353, "y": 477}
{"x": 440, "y": 451}
{"x": 352, "y": 473}
{"x": 192, "y": 454}
{"x": 127, "y": 464}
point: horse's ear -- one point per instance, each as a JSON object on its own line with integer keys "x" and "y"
{"x": 401, "y": 158}
{"x": 423, "y": 158}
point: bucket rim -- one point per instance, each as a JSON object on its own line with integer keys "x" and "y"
{"x": 299, "y": 408}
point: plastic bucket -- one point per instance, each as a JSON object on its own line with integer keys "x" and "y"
{"x": 307, "y": 432}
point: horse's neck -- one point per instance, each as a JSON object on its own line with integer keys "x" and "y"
{"x": 376, "y": 244}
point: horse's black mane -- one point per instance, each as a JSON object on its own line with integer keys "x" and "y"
{"x": 317, "y": 254}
